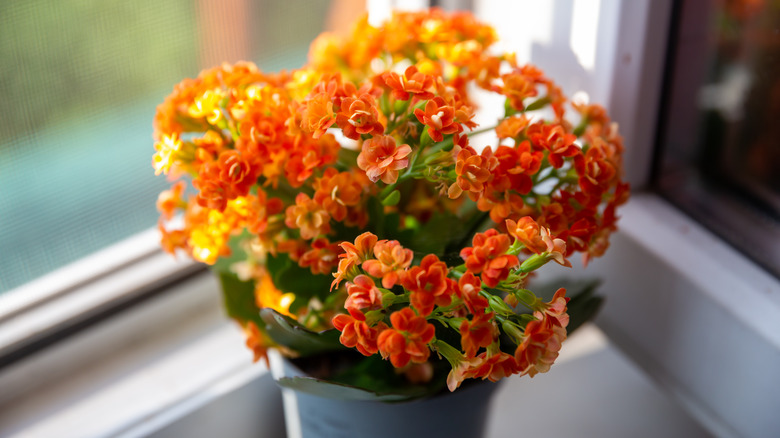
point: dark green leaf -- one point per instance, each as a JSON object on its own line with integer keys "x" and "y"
{"x": 288, "y": 276}
{"x": 237, "y": 254}
{"x": 583, "y": 307}
{"x": 342, "y": 391}
{"x": 239, "y": 298}
{"x": 288, "y": 332}
{"x": 434, "y": 236}
{"x": 537, "y": 104}
{"x": 392, "y": 198}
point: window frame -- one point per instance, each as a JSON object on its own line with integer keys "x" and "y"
{"x": 70, "y": 299}
{"x": 703, "y": 270}
{"x": 701, "y": 292}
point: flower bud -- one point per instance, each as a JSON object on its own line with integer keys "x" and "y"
{"x": 512, "y": 330}
{"x": 534, "y": 262}
{"x": 392, "y": 198}
{"x": 499, "y": 306}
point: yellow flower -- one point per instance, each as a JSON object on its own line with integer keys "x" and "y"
{"x": 165, "y": 157}
{"x": 207, "y": 105}
{"x": 268, "y": 296}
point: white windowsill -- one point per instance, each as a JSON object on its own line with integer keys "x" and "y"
{"x": 197, "y": 382}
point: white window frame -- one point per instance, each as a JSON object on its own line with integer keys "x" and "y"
{"x": 695, "y": 314}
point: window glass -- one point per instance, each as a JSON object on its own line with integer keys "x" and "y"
{"x": 80, "y": 83}
{"x": 720, "y": 137}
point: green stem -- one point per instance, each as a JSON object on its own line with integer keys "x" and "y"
{"x": 580, "y": 129}
{"x": 481, "y": 131}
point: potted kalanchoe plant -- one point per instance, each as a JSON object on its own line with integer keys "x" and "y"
{"x": 352, "y": 220}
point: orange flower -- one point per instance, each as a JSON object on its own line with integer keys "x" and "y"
{"x": 556, "y": 308}
{"x": 473, "y": 172}
{"x": 257, "y": 127}
{"x": 324, "y": 52}
{"x": 318, "y": 115}
{"x": 461, "y": 371}
{"x": 516, "y": 87}
{"x": 411, "y": 83}
{"x": 236, "y": 173}
{"x": 595, "y": 171}
{"x": 538, "y": 239}
{"x": 363, "y": 293}
{"x": 418, "y": 373}
{"x": 209, "y": 146}
{"x": 541, "y": 344}
{"x": 407, "y": 340}
{"x": 527, "y": 231}
{"x": 511, "y": 127}
{"x": 353, "y": 256}
{"x": 494, "y": 367}
{"x": 261, "y": 208}
{"x": 294, "y": 248}
{"x": 359, "y": 116}
{"x": 439, "y": 118}
{"x": 427, "y": 284}
{"x": 355, "y": 331}
{"x": 488, "y": 256}
{"x": 336, "y": 191}
{"x": 171, "y": 240}
{"x": 594, "y": 114}
{"x": 268, "y": 296}
{"x": 308, "y": 216}
{"x": 255, "y": 341}
{"x": 469, "y": 286}
{"x": 212, "y": 191}
{"x": 501, "y": 204}
{"x": 554, "y": 139}
{"x": 515, "y": 168}
{"x": 481, "y": 331}
{"x": 391, "y": 260}
{"x": 580, "y": 233}
{"x": 322, "y": 257}
{"x": 382, "y": 159}
{"x": 170, "y": 200}
{"x": 307, "y": 156}
{"x": 336, "y": 88}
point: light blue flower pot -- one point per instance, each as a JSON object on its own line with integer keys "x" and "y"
{"x": 462, "y": 413}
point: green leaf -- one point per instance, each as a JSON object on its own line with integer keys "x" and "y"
{"x": 288, "y": 276}
{"x": 290, "y": 333}
{"x": 392, "y": 198}
{"x": 537, "y": 104}
{"x": 351, "y": 376}
{"x": 583, "y": 307}
{"x": 237, "y": 254}
{"x": 386, "y": 225}
{"x": 239, "y": 298}
{"x": 438, "y": 233}
{"x": 342, "y": 391}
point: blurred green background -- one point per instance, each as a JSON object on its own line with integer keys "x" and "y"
{"x": 79, "y": 83}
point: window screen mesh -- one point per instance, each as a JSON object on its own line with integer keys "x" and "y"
{"x": 79, "y": 83}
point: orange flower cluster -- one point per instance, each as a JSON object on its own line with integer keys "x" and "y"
{"x": 434, "y": 295}
{"x": 358, "y": 169}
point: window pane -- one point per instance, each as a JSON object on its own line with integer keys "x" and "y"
{"x": 80, "y": 83}
{"x": 720, "y": 148}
